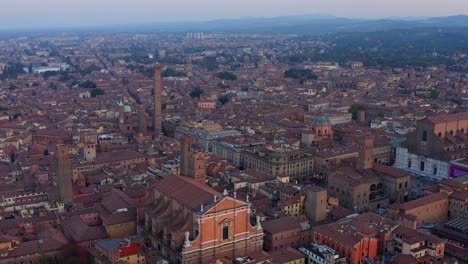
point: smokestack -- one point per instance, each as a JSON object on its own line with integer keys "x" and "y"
{"x": 157, "y": 115}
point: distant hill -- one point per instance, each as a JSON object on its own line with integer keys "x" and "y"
{"x": 310, "y": 25}
{"x": 423, "y": 46}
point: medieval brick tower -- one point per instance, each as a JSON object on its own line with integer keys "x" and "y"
{"x": 316, "y": 204}
{"x": 365, "y": 154}
{"x": 192, "y": 159}
{"x": 142, "y": 119}
{"x": 157, "y": 115}
{"x": 185, "y": 144}
{"x": 64, "y": 176}
{"x": 197, "y": 163}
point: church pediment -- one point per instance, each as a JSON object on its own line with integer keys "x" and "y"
{"x": 226, "y": 203}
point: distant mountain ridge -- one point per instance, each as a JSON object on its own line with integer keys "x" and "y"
{"x": 312, "y": 25}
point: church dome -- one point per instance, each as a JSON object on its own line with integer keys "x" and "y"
{"x": 321, "y": 120}
{"x": 127, "y": 109}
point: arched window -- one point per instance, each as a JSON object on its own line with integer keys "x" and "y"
{"x": 451, "y": 132}
{"x": 424, "y": 136}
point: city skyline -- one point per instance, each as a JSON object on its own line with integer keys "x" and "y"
{"x": 54, "y": 13}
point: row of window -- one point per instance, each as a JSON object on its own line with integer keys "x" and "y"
{"x": 422, "y": 166}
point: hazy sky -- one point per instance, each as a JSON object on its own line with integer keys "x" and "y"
{"x": 46, "y": 13}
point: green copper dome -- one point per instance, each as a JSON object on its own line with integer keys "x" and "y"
{"x": 127, "y": 109}
{"x": 321, "y": 120}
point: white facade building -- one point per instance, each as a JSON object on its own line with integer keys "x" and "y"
{"x": 320, "y": 254}
{"x": 432, "y": 169}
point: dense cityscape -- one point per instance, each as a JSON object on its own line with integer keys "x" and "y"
{"x": 234, "y": 147}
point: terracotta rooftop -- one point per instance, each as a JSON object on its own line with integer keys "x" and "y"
{"x": 423, "y": 201}
{"x": 288, "y": 255}
{"x": 282, "y": 224}
{"x": 350, "y": 231}
{"x": 390, "y": 171}
{"x": 115, "y": 156}
{"x": 460, "y": 195}
{"x": 446, "y": 118}
{"x": 412, "y": 236}
{"x": 81, "y": 232}
{"x": 186, "y": 191}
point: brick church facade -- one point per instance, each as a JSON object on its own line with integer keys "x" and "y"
{"x": 188, "y": 222}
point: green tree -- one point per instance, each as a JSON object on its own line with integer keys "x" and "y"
{"x": 355, "y": 108}
{"x": 97, "y": 91}
{"x": 90, "y": 69}
{"x": 300, "y": 74}
{"x": 227, "y": 76}
{"x": 53, "y": 86}
{"x": 434, "y": 94}
{"x": 48, "y": 74}
{"x": 12, "y": 71}
{"x": 196, "y": 93}
{"x": 44, "y": 259}
{"x": 169, "y": 72}
{"x": 223, "y": 99}
{"x": 211, "y": 63}
{"x": 88, "y": 84}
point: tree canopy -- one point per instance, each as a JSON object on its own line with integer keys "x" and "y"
{"x": 169, "y": 72}
{"x": 88, "y": 84}
{"x": 97, "y": 91}
{"x": 300, "y": 74}
{"x": 210, "y": 63}
{"x": 355, "y": 108}
{"x": 196, "y": 93}
{"x": 223, "y": 99}
{"x": 12, "y": 71}
{"x": 225, "y": 75}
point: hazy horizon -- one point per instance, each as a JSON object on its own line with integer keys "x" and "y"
{"x": 66, "y": 13}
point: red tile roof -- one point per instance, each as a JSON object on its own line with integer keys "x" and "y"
{"x": 423, "y": 201}
{"x": 282, "y": 224}
{"x": 350, "y": 231}
{"x": 390, "y": 171}
{"x": 460, "y": 195}
{"x": 186, "y": 191}
{"x": 446, "y": 118}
